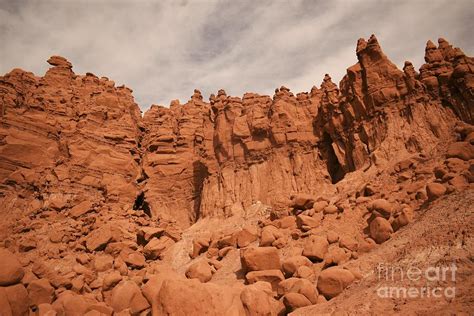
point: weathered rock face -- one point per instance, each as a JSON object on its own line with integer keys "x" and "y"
{"x": 323, "y": 185}
{"x": 235, "y": 151}
{"x": 174, "y": 142}
{"x": 66, "y": 138}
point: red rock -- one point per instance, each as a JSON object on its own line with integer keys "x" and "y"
{"x": 293, "y": 301}
{"x": 330, "y": 209}
{"x": 147, "y": 233}
{"x": 133, "y": 259}
{"x": 99, "y": 238}
{"x": 103, "y": 262}
{"x": 257, "y": 300}
{"x": 11, "y": 271}
{"x": 40, "y": 291}
{"x": 71, "y": 144}
{"x": 156, "y": 247}
{"x": 381, "y": 207}
{"x": 336, "y": 256}
{"x": 80, "y": 209}
{"x": 269, "y": 235}
{"x": 14, "y": 300}
{"x": 261, "y": 258}
{"x": 306, "y": 222}
{"x": 69, "y": 303}
{"x": 200, "y": 270}
{"x": 191, "y": 297}
{"x": 435, "y": 190}
{"x": 110, "y": 280}
{"x": 461, "y": 150}
{"x": 402, "y": 219}
{"x": 291, "y": 264}
{"x": 300, "y": 286}
{"x": 127, "y": 295}
{"x": 380, "y": 230}
{"x": 245, "y": 237}
{"x": 271, "y": 276}
{"x": 333, "y": 281}
{"x": 200, "y": 245}
{"x": 302, "y": 201}
{"x": 348, "y": 243}
{"x": 332, "y": 237}
{"x": 315, "y": 247}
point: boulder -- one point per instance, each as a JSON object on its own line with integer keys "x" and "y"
{"x": 435, "y": 190}
{"x": 380, "y": 229}
{"x": 80, "y": 209}
{"x": 336, "y": 256}
{"x": 11, "y": 271}
{"x": 260, "y": 258}
{"x": 156, "y": 247}
{"x": 200, "y": 270}
{"x": 315, "y": 248}
{"x": 300, "y": 286}
{"x": 257, "y": 300}
{"x": 99, "y": 238}
{"x": 291, "y": 264}
{"x": 349, "y": 243}
{"x": 269, "y": 235}
{"x": 381, "y": 207}
{"x": 402, "y": 219}
{"x": 132, "y": 258}
{"x": 191, "y": 297}
{"x": 245, "y": 237}
{"x": 271, "y": 276}
{"x": 40, "y": 291}
{"x": 200, "y": 245}
{"x": 333, "y": 281}
{"x": 306, "y": 223}
{"x": 461, "y": 150}
{"x": 293, "y": 301}
{"x": 330, "y": 209}
{"x": 110, "y": 280}
{"x": 302, "y": 201}
{"x": 127, "y": 295}
{"x": 14, "y": 300}
{"x": 103, "y": 262}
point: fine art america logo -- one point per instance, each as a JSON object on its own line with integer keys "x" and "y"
{"x": 430, "y": 282}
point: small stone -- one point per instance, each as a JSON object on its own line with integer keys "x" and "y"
{"x": 435, "y": 190}
{"x": 380, "y": 230}
{"x": 200, "y": 270}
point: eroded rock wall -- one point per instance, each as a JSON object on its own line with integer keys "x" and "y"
{"x": 65, "y": 139}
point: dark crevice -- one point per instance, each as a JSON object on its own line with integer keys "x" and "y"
{"x": 143, "y": 176}
{"x": 336, "y": 171}
{"x": 142, "y": 205}
{"x": 200, "y": 173}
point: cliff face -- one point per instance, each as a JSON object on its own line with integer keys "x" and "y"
{"x": 269, "y": 204}
{"x": 224, "y": 156}
{"x": 67, "y": 138}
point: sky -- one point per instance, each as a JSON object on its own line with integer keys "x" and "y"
{"x": 163, "y": 50}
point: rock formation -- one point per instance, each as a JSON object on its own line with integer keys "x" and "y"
{"x": 285, "y": 199}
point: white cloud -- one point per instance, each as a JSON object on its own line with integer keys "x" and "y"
{"x": 165, "y": 49}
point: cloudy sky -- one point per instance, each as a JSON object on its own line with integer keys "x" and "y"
{"x": 165, "y": 49}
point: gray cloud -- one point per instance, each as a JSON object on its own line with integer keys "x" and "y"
{"x": 165, "y": 49}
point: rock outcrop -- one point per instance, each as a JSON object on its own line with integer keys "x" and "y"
{"x": 259, "y": 205}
